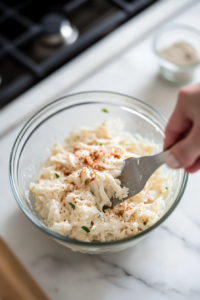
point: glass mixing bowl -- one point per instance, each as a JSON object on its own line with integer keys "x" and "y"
{"x": 53, "y": 123}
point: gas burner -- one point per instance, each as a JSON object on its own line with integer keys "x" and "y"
{"x": 37, "y": 39}
{"x": 57, "y": 30}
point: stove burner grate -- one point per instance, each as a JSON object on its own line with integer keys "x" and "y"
{"x": 36, "y": 39}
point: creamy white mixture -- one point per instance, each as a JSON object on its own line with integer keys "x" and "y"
{"x": 79, "y": 178}
{"x": 180, "y": 53}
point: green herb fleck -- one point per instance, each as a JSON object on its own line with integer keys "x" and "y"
{"x": 110, "y": 233}
{"x": 101, "y": 144}
{"x": 92, "y": 192}
{"x": 78, "y": 137}
{"x": 57, "y": 176}
{"x": 105, "y": 110}
{"x": 85, "y": 228}
{"x": 166, "y": 188}
{"x": 145, "y": 223}
{"x": 104, "y": 124}
{"x": 99, "y": 216}
{"x": 72, "y": 205}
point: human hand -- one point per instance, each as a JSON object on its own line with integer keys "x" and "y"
{"x": 183, "y": 131}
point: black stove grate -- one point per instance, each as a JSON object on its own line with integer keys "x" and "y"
{"x": 24, "y": 57}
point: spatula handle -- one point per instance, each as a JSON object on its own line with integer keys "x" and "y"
{"x": 161, "y": 157}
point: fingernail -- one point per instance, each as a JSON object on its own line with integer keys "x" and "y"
{"x": 172, "y": 162}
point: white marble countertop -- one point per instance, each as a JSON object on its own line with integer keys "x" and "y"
{"x": 165, "y": 265}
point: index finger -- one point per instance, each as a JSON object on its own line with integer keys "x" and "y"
{"x": 177, "y": 125}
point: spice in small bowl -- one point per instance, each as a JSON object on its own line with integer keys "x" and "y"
{"x": 181, "y": 54}
{"x": 177, "y": 48}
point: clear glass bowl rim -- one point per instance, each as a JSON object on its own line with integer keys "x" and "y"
{"x": 61, "y": 237}
{"x": 166, "y": 28}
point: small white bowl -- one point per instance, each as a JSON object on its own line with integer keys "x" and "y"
{"x": 166, "y": 37}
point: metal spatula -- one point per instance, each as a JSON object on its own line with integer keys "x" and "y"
{"x": 136, "y": 172}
